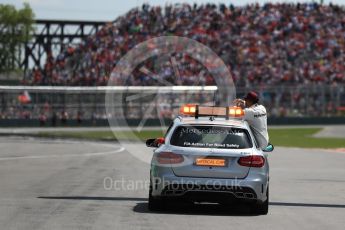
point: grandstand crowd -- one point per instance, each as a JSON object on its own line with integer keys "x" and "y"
{"x": 262, "y": 45}
{"x": 296, "y": 46}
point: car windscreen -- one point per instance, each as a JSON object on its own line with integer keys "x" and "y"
{"x": 211, "y": 137}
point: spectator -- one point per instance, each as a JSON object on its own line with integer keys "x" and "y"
{"x": 42, "y": 118}
{"x": 79, "y": 117}
{"x": 53, "y": 119}
{"x": 64, "y": 117}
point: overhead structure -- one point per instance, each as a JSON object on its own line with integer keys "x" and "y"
{"x": 52, "y": 36}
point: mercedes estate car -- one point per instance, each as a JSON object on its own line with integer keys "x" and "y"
{"x": 209, "y": 154}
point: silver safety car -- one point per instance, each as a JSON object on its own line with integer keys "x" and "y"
{"x": 209, "y": 154}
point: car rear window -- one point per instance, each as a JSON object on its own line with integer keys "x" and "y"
{"x": 211, "y": 137}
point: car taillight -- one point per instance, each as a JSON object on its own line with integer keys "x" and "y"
{"x": 169, "y": 158}
{"x": 160, "y": 141}
{"x": 252, "y": 161}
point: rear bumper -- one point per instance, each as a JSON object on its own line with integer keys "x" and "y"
{"x": 252, "y": 188}
{"x": 208, "y": 193}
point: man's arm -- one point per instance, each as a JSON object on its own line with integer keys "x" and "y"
{"x": 240, "y": 103}
{"x": 248, "y": 114}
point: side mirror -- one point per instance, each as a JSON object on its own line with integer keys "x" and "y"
{"x": 150, "y": 142}
{"x": 155, "y": 143}
{"x": 269, "y": 148}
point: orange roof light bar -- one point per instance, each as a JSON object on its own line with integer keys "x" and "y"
{"x": 188, "y": 109}
{"x": 236, "y": 111}
{"x": 196, "y": 111}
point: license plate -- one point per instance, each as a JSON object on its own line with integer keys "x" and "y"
{"x": 210, "y": 162}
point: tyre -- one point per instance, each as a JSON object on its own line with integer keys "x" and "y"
{"x": 155, "y": 204}
{"x": 261, "y": 208}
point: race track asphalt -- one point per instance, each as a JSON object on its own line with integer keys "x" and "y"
{"x": 55, "y": 184}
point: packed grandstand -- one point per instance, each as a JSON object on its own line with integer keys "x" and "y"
{"x": 269, "y": 44}
{"x": 292, "y": 54}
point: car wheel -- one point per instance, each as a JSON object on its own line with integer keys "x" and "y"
{"x": 155, "y": 204}
{"x": 261, "y": 208}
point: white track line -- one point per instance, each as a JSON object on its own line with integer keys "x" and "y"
{"x": 64, "y": 155}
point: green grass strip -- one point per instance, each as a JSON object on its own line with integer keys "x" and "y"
{"x": 287, "y": 137}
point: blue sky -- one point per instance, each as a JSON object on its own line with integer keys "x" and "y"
{"x": 106, "y": 10}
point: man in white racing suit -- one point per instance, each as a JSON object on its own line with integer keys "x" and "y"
{"x": 256, "y": 116}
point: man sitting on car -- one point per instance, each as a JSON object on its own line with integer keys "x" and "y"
{"x": 256, "y": 116}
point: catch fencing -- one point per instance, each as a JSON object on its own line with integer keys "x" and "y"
{"x": 136, "y": 102}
